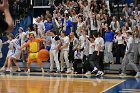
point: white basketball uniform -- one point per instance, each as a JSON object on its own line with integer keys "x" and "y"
{"x": 17, "y": 52}
{"x": 11, "y": 49}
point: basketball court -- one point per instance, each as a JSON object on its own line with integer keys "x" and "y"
{"x": 64, "y": 83}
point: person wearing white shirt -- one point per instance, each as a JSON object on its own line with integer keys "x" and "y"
{"x": 85, "y": 6}
{"x": 93, "y": 24}
{"x": 64, "y": 51}
{"x": 80, "y": 25}
{"x": 17, "y": 53}
{"x": 96, "y": 60}
{"x": 41, "y": 26}
{"x": 30, "y": 30}
{"x": 91, "y": 50}
{"x": 129, "y": 56}
{"x": 119, "y": 39}
{"x": 9, "y": 54}
{"x": 84, "y": 44}
{"x": 78, "y": 57}
{"x": 136, "y": 44}
{"x": 115, "y": 24}
{"x": 133, "y": 22}
{"x": 12, "y": 53}
{"x": 22, "y": 37}
{"x": 55, "y": 45}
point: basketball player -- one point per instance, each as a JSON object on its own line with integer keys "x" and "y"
{"x": 10, "y": 51}
{"x": 11, "y": 42}
{"x": 16, "y": 55}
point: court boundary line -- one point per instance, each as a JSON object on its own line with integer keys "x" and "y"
{"x": 112, "y": 86}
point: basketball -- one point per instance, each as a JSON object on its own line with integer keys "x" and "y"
{"x": 43, "y": 54}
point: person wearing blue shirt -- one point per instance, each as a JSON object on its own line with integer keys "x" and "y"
{"x": 68, "y": 24}
{"x": 109, "y": 37}
{"x": 48, "y": 24}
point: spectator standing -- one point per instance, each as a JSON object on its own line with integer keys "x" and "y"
{"x": 48, "y": 24}
{"x": 129, "y": 56}
{"x": 119, "y": 39}
{"x": 109, "y": 37}
{"x": 115, "y": 26}
{"x": 74, "y": 42}
{"x": 68, "y": 24}
{"x": 41, "y": 27}
{"x": 55, "y": 45}
{"x": 96, "y": 61}
{"x": 64, "y": 51}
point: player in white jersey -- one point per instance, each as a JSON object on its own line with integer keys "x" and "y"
{"x": 16, "y": 55}
{"x": 10, "y": 51}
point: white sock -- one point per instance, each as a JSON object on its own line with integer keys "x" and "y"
{"x": 42, "y": 69}
{"x": 19, "y": 69}
{"x": 95, "y": 68}
{"x": 28, "y": 70}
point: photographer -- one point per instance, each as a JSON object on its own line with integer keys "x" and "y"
{"x": 7, "y": 24}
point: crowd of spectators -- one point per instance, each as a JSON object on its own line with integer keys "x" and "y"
{"x": 85, "y": 20}
{"x": 88, "y": 35}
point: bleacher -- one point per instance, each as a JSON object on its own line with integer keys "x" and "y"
{"x": 118, "y": 5}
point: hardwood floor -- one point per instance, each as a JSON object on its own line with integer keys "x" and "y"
{"x": 41, "y": 84}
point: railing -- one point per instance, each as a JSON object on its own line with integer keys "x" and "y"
{"x": 117, "y": 7}
{"x": 40, "y": 2}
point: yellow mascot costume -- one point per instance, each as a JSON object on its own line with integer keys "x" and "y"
{"x": 36, "y": 55}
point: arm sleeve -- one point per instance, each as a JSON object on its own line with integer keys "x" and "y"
{"x": 26, "y": 44}
{"x": 40, "y": 40}
{"x": 76, "y": 43}
{"x": 130, "y": 46}
{"x": 70, "y": 23}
